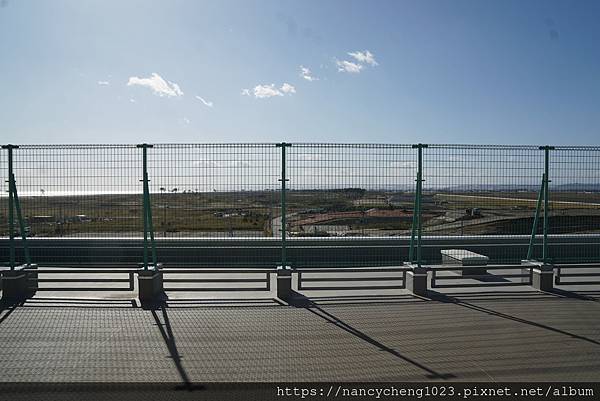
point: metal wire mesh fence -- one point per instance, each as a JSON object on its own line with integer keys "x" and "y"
{"x": 77, "y": 190}
{"x": 481, "y": 191}
{"x": 355, "y": 203}
{"x": 349, "y": 192}
{"x": 214, "y": 190}
{"x": 574, "y": 205}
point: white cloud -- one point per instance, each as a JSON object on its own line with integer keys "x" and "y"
{"x": 266, "y": 91}
{"x": 132, "y": 100}
{"x": 348, "y": 66}
{"x": 103, "y": 83}
{"x": 186, "y": 120}
{"x": 306, "y": 74}
{"x": 287, "y": 88}
{"x": 158, "y": 85}
{"x": 364, "y": 57}
{"x": 209, "y": 104}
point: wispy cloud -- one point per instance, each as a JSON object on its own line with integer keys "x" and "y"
{"x": 287, "y": 88}
{"x": 103, "y": 83}
{"x": 307, "y": 74}
{"x": 364, "y": 57}
{"x": 158, "y": 85}
{"x": 209, "y": 104}
{"x": 267, "y": 91}
{"x": 348, "y": 66}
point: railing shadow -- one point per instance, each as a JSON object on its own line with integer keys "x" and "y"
{"x": 166, "y": 332}
{"x": 300, "y": 301}
{"x": 7, "y": 308}
{"x": 436, "y": 296}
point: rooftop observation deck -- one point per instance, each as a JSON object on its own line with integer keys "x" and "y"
{"x": 500, "y": 334}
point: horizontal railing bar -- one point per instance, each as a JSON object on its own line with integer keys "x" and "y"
{"x": 79, "y": 271}
{"x": 512, "y": 283}
{"x": 579, "y": 274}
{"x": 213, "y": 280}
{"x": 208, "y": 289}
{"x": 489, "y": 267}
{"x": 82, "y": 280}
{"x": 578, "y": 282}
{"x": 475, "y": 276}
{"x": 351, "y": 279}
{"x": 352, "y": 270}
{"x": 215, "y": 271}
{"x": 383, "y": 287}
{"x": 82, "y": 289}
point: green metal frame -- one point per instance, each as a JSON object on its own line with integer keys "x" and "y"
{"x": 543, "y": 195}
{"x": 13, "y": 203}
{"x": 417, "y": 226}
{"x": 283, "y": 180}
{"x": 147, "y": 210}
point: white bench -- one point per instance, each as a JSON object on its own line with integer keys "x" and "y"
{"x": 473, "y": 263}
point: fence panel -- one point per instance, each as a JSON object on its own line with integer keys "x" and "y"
{"x": 76, "y": 190}
{"x": 349, "y": 192}
{"x": 574, "y": 202}
{"x": 211, "y": 190}
{"x": 481, "y": 190}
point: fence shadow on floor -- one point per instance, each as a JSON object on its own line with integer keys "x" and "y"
{"x": 166, "y": 332}
{"x": 298, "y": 300}
{"x": 468, "y": 303}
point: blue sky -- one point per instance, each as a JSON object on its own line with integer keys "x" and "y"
{"x": 479, "y": 71}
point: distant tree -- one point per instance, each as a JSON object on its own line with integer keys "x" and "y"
{"x": 162, "y": 189}
{"x": 174, "y": 190}
{"x": 43, "y": 192}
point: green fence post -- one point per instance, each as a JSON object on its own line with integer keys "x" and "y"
{"x": 20, "y": 219}
{"x": 148, "y": 227}
{"x": 284, "y": 272}
{"x": 547, "y": 149}
{"x": 11, "y": 221}
{"x": 150, "y": 280}
{"x": 536, "y": 218}
{"x": 283, "y": 180}
{"x": 417, "y": 226}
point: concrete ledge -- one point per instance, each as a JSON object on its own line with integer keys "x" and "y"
{"x": 150, "y": 283}
{"x": 473, "y": 263}
{"x": 284, "y": 282}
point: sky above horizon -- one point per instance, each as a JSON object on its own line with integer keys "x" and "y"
{"x": 462, "y": 71}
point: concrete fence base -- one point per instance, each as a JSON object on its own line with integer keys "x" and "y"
{"x": 150, "y": 284}
{"x": 542, "y": 274}
{"x": 14, "y": 284}
{"x": 284, "y": 282}
{"x": 416, "y": 279}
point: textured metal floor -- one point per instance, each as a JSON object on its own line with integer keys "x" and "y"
{"x": 523, "y": 336}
